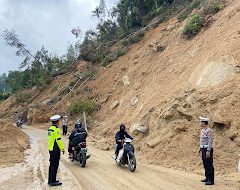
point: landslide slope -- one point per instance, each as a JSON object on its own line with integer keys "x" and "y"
{"x": 162, "y": 85}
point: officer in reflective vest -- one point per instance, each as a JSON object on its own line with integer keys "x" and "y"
{"x": 206, "y": 151}
{"x": 55, "y": 147}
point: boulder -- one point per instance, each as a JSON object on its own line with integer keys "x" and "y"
{"x": 180, "y": 128}
{"x": 154, "y": 142}
{"x": 135, "y": 62}
{"x": 142, "y": 126}
{"x": 219, "y": 120}
{"x": 134, "y": 101}
{"x": 160, "y": 48}
{"x": 114, "y": 105}
{"x": 125, "y": 80}
{"x": 105, "y": 147}
{"x": 169, "y": 114}
{"x": 231, "y": 134}
{"x": 137, "y": 128}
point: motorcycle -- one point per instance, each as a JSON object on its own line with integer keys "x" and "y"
{"x": 126, "y": 155}
{"x": 80, "y": 154}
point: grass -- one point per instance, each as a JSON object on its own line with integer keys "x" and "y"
{"x": 82, "y": 106}
{"x": 23, "y": 98}
{"x": 193, "y": 26}
{"x": 214, "y": 7}
{"x": 114, "y": 55}
{"x": 184, "y": 14}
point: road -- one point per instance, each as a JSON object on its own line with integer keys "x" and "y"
{"x": 101, "y": 173}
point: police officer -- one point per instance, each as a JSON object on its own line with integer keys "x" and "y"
{"x": 206, "y": 151}
{"x": 55, "y": 146}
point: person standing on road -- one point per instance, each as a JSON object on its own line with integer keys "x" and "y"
{"x": 65, "y": 124}
{"x": 206, "y": 151}
{"x": 55, "y": 147}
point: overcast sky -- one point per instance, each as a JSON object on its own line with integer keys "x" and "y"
{"x": 44, "y": 22}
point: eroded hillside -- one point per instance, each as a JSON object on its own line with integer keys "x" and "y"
{"x": 158, "y": 89}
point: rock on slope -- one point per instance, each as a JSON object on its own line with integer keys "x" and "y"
{"x": 187, "y": 79}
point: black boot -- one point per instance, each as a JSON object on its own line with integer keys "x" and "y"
{"x": 204, "y": 180}
{"x": 209, "y": 183}
{"x": 55, "y": 184}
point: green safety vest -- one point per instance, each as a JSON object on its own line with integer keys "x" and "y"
{"x": 54, "y": 138}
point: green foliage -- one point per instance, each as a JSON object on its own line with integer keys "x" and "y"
{"x": 23, "y": 98}
{"x": 37, "y": 69}
{"x": 193, "y": 26}
{"x": 184, "y": 14}
{"x": 132, "y": 39}
{"x": 73, "y": 51}
{"x": 4, "y": 95}
{"x": 82, "y": 106}
{"x": 114, "y": 55}
{"x": 214, "y": 7}
{"x": 3, "y": 86}
{"x": 125, "y": 18}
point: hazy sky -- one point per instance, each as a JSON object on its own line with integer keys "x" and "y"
{"x": 43, "y": 22}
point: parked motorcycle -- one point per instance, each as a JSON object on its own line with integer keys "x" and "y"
{"x": 126, "y": 155}
{"x": 80, "y": 154}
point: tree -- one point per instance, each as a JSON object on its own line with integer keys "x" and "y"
{"x": 3, "y": 86}
{"x": 101, "y": 11}
{"x": 73, "y": 51}
{"x": 11, "y": 39}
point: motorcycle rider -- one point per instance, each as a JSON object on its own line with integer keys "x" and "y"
{"x": 78, "y": 135}
{"x": 119, "y": 137}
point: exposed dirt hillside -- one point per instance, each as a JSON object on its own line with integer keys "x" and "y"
{"x": 160, "y": 94}
{"x": 13, "y": 143}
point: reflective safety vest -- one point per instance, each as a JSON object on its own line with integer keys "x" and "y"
{"x": 54, "y": 139}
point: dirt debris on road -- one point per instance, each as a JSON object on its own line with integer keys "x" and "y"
{"x": 101, "y": 173}
{"x": 13, "y": 143}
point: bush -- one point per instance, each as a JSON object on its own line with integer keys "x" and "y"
{"x": 4, "y": 95}
{"x": 136, "y": 37}
{"x": 193, "y": 26}
{"x": 114, "y": 56}
{"x": 184, "y": 14}
{"x": 23, "y": 98}
{"x": 82, "y": 106}
{"x": 214, "y": 7}
{"x": 121, "y": 51}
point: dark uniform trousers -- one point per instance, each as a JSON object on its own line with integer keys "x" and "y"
{"x": 54, "y": 163}
{"x": 208, "y": 165}
{"x": 65, "y": 129}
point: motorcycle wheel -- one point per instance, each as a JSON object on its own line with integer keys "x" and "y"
{"x": 82, "y": 159}
{"x": 132, "y": 164}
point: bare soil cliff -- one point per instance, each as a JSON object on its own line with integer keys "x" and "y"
{"x": 159, "y": 89}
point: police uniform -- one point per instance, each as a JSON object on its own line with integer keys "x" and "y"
{"x": 206, "y": 141}
{"x": 55, "y": 146}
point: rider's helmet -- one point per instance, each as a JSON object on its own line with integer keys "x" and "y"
{"x": 78, "y": 125}
{"x": 122, "y": 127}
